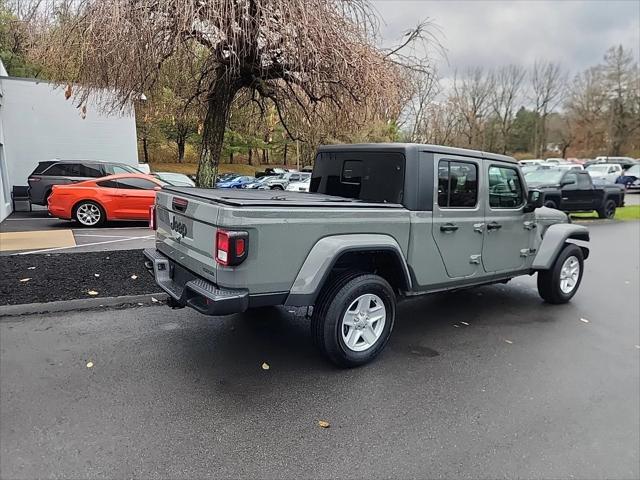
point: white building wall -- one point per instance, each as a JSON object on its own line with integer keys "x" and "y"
{"x": 37, "y": 123}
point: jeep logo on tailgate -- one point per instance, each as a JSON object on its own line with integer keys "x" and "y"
{"x": 178, "y": 227}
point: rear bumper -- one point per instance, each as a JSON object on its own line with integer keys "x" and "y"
{"x": 188, "y": 290}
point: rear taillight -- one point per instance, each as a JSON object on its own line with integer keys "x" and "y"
{"x": 153, "y": 222}
{"x": 231, "y": 247}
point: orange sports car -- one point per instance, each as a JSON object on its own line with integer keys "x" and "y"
{"x": 125, "y": 196}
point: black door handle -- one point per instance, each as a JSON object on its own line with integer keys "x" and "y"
{"x": 448, "y": 227}
{"x": 494, "y": 226}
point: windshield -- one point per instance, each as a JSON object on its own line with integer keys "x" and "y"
{"x": 544, "y": 176}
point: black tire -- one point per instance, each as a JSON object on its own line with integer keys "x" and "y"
{"x": 91, "y": 205}
{"x": 277, "y": 187}
{"x": 608, "y": 210}
{"x": 549, "y": 280}
{"x": 550, "y": 204}
{"x": 331, "y": 307}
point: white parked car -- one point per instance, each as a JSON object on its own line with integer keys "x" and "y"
{"x": 302, "y": 186}
{"x": 608, "y": 172}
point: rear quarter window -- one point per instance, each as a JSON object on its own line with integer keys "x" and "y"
{"x": 367, "y": 176}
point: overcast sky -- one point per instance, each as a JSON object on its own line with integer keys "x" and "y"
{"x": 493, "y": 33}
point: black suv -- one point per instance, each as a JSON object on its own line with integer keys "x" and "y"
{"x": 61, "y": 172}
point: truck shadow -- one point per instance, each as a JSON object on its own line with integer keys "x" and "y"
{"x": 227, "y": 355}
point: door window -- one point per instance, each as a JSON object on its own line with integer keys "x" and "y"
{"x": 571, "y": 180}
{"x": 583, "y": 181}
{"x": 457, "y": 184}
{"x": 107, "y": 184}
{"x": 90, "y": 170}
{"x": 136, "y": 184}
{"x": 505, "y": 188}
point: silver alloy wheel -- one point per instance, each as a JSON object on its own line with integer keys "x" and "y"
{"x": 569, "y": 274}
{"x": 88, "y": 214}
{"x": 363, "y": 322}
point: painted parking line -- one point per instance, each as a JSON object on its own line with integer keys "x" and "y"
{"x": 100, "y": 236}
{"x": 146, "y": 237}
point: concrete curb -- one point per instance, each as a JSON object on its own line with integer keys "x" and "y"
{"x": 80, "y": 304}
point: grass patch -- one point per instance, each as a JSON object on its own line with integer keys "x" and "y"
{"x": 630, "y": 212}
{"x": 191, "y": 168}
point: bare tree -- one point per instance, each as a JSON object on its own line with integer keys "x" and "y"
{"x": 471, "y": 97}
{"x": 548, "y": 83}
{"x": 419, "y": 112}
{"x": 586, "y": 106}
{"x": 621, "y": 77}
{"x": 507, "y": 88}
{"x": 297, "y": 52}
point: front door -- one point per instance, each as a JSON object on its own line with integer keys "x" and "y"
{"x": 458, "y": 215}
{"x": 508, "y": 231}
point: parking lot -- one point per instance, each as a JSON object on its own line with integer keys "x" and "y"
{"x": 41, "y": 233}
{"x": 483, "y": 383}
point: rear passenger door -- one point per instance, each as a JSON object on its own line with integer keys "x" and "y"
{"x": 458, "y": 215}
{"x": 508, "y": 230}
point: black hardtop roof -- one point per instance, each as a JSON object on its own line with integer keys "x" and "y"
{"x": 402, "y": 147}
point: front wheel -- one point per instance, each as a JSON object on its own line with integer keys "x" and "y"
{"x": 550, "y": 204}
{"x": 353, "y": 319}
{"x": 560, "y": 283}
{"x": 608, "y": 210}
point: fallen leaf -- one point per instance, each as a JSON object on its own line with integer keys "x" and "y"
{"x": 584, "y": 320}
{"x": 89, "y": 364}
{"x": 265, "y": 366}
{"x": 133, "y": 277}
{"x": 31, "y": 268}
{"x": 92, "y": 292}
{"x": 465, "y": 323}
{"x": 323, "y": 424}
{"x": 508, "y": 341}
{"x": 67, "y": 92}
{"x": 154, "y": 300}
{"x": 25, "y": 279}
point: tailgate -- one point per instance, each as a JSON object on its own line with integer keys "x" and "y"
{"x": 186, "y": 231}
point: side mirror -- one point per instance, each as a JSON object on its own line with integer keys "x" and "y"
{"x": 534, "y": 200}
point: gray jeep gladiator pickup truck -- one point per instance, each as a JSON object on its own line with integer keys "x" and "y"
{"x": 381, "y": 222}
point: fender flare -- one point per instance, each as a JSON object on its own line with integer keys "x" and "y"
{"x": 324, "y": 255}
{"x": 554, "y": 240}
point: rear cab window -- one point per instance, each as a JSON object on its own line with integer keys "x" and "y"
{"x": 376, "y": 177}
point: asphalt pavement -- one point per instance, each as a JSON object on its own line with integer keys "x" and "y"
{"x": 484, "y": 383}
{"x": 113, "y": 236}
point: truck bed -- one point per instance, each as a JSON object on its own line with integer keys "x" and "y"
{"x": 272, "y": 198}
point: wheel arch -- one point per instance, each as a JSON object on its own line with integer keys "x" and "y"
{"x": 379, "y": 254}
{"x": 554, "y": 240}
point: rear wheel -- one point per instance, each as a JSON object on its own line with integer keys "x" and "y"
{"x": 550, "y": 204}
{"x": 89, "y": 214}
{"x": 561, "y": 282}
{"x": 608, "y": 210}
{"x": 353, "y": 318}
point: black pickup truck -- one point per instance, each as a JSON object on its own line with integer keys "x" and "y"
{"x": 574, "y": 191}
